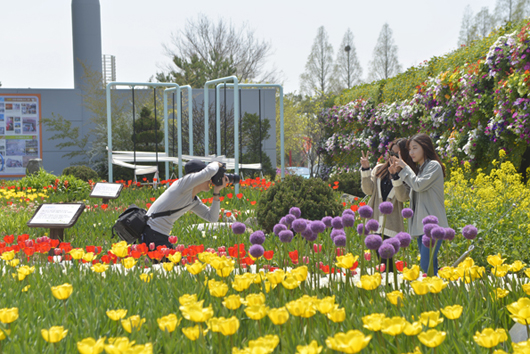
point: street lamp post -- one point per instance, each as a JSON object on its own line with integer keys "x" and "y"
{"x": 347, "y": 50}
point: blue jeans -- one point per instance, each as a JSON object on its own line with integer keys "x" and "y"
{"x": 425, "y": 255}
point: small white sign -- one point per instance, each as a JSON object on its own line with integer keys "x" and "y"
{"x": 57, "y": 214}
{"x": 106, "y": 190}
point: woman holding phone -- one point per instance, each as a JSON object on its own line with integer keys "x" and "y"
{"x": 427, "y": 192}
{"x": 384, "y": 184}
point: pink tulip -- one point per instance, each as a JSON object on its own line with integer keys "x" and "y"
{"x": 152, "y": 246}
{"x": 173, "y": 239}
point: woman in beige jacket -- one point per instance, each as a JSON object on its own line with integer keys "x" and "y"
{"x": 384, "y": 184}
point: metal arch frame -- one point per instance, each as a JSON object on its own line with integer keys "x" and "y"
{"x": 218, "y": 116}
{"x": 109, "y": 118}
{"x": 178, "y": 91}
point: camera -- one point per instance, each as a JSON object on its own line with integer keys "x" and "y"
{"x": 217, "y": 179}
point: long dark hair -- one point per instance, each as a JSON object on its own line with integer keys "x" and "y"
{"x": 427, "y": 146}
{"x": 382, "y": 172}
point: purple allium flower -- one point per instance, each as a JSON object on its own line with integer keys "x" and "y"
{"x": 299, "y": 225}
{"x": 430, "y": 219}
{"x": 295, "y": 211}
{"x": 257, "y": 237}
{"x": 256, "y": 251}
{"x": 365, "y": 212}
{"x": 438, "y": 233}
{"x": 372, "y": 225}
{"x": 469, "y": 232}
{"x": 394, "y": 242}
{"x": 238, "y": 228}
{"x": 317, "y": 226}
{"x": 286, "y": 236}
{"x": 308, "y": 234}
{"x": 340, "y": 241}
{"x": 278, "y": 228}
{"x": 386, "y": 208}
{"x": 327, "y": 220}
{"x": 373, "y": 242}
{"x": 360, "y": 230}
{"x": 449, "y": 234}
{"x": 428, "y": 228}
{"x": 348, "y": 212}
{"x": 348, "y": 220}
{"x": 337, "y": 222}
{"x": 427, "y": 241}
{"x": 336, "y": 232}
{"x": 283, "y": 221}
{"x": 386, "y": 250}
{"x": 407, "y": 213}
{"x": 290, "y": 218}
{"x": 404, "y": 239}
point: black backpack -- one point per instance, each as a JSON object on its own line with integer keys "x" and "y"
{"x": 132, "y": 222}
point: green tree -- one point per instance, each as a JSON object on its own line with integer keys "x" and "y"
{"x": 252, "y": 141}
{"x": 147, "y": 133}
{"x": 385, "y": 63}
{"x": 318, "y": 75}
{"x": 293, "y": 120}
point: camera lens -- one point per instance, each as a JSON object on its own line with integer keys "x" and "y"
{"x": 232, "y": 178}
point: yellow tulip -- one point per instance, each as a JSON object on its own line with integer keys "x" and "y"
{"x": 395, "y": 297}
{"x": 452, "y": 312}
{"x": 472, "y": 273}
{"x": 495, "y": 260}
{"x": 412, "y": 273}
{"x": 526, "y": 271}
{"x": 393, "y": 326}
{"x": 257, "y": 312}
{"x": 449, "y": 273}
{"x": 99, "y": 267}
{"x": 119, "y": 345}
{"x": 26, "y": 288}
{"x": 89, "y": 257}
{"x": 77, "y": 253}
{"x": 254, "y": 299}
{"x": 91, "y": 346}
{"x": 489, "y": 337}
{"x": 347, "y": 261}
{"x": 432, "y": 338}
{"x": 175, "y": 258}
{"x": 229, "y": 326}
{"x": 369, "y": 282}
{"x": 521, "y": 347}
{"x": 213, "y": 324}
{"x": 168, "y": 323}
{"x": 4, "y": 333}
{"x": 413, "y": 329}
{"x": 116, "y": 315}
{"x": 187, "y": 299}
{"x": 416, "y": 351}
{"x": 128, "y": 262}
{"x": 268, "y": 286}
{"x": 431, "y": 318}
{"x": 206, "y": 256}
{"x": 195, "y": 268}
{"x": 337, "y": 315}
{"x": 501, "y": 270}
{"x": 436, "y": 284}
{"x": 132, "y": 323}
{"x": 520, "y": 311}
{"x": 500, "y": 293}
{"x": 54, "y": 334}
{"x": 526, "y": 288}
{"x": 258, "y": 278}
{"x": 312, "y": 348}
{"x": 517, "y": 266}
{"x": 374, "y": 321}
{"x": 196, "y": 313}
{"x": 13, "y": 263}
{"x": 146, "y": 277}
{"x": 168, "y": 266}
{"x": 24, "y": 271}
{"x": 217, "y": 288}
{"x": 303, "y": 307}
{"x": 326, "y": 305}
{"x": 232, "y": 302}
{"x": 62, "y": 292}
{"x": 241, "y": 283}
{"x": 467, "y": 263}
{"x": 265, "y": 344}
{"x": 7, "y": 256}
{"x": 278, "y": 316}
{"x": 290, "y": 282}
{"x": 351, "y": 342}
{"x": 420, "y": 287}
{"x": 276, "y": 277}
{"x": 193, "y": 333}
{"x": 8, "y": 315}
{"x": 300, "y": 273}
{"x": 120, "y": 249}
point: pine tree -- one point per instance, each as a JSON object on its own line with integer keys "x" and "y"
{"x": 317, "y": 78}
{"x": 348, "y": 70}
{"x": 147, "y": 133}
{"x": 385, "y": 63}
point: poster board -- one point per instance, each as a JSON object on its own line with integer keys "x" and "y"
{"x": 56, "y": 215}
{"x": 106, "y": 190}
{"x": 20, "y": 132}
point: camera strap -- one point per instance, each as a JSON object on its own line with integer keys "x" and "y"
{"x": 170, "y": 212}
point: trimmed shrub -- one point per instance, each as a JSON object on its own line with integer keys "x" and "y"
{"x": 349, "y": 182}
{"x": 84, "y": 173}
{"x": 313, "y": 196}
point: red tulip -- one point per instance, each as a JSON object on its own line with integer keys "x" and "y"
{"x": 317, "y": 248}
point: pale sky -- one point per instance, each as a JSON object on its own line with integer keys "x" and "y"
{"x": 36, "y": 35}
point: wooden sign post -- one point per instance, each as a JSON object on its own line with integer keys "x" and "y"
{"x": 106, "y": 191}
{"x": 56, "y": 217}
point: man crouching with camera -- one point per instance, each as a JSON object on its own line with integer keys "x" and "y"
{"x": 181, "y": 197}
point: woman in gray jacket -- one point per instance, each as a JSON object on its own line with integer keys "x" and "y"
{"x": 426, "y": 192}
{"x": 384, "y": 184}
